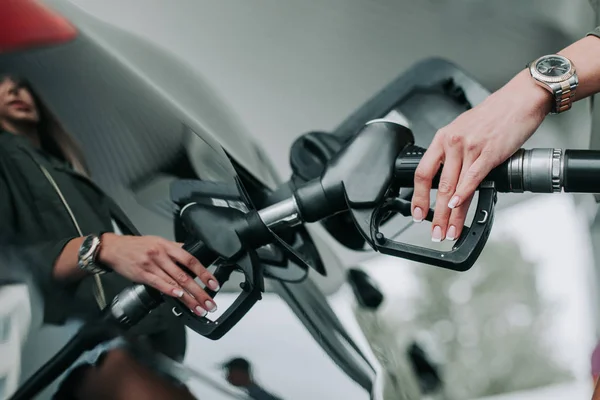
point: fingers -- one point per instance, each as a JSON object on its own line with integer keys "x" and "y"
{"x": 189, "y": 261}
{"x": 471, "y": 177}
{"x": 195, "y": 297}
{"x": 461, "y": 174}
{"x": 447, "y": 185}
{"x": 457, "y": 220}
{"x": 426, "y": 171}
{"x": 165, "y": 284}
{"x": 181, "y": 294}
{"x": 468, "y": 183}
{"x": 458, "y": 213}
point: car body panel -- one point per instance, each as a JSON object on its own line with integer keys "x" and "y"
{"x": 139, "y": 134}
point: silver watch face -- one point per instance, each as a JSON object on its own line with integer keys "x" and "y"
{"x": 87, "y": 247}
{"x": 552, "y": 68}
{"x": 87, "y": 254}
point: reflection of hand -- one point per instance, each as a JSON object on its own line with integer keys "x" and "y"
{"x": 471, "y": 146}
{"x": 152, "y": 260}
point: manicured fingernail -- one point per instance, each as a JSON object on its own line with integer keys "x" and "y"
{"x": 451, "y": 234}
{"x": 436, "y": 235}
{"x": 210, "y": 306}
{"x": 213, "y": 285}
{"x": 178, "y": 292}
{"x": 453, "y": 202}
{"x": 417, "y": 214}
{"x": 201, "y": 311}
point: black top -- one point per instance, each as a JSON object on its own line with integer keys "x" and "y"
{"x": 35, "y": 221}
{"x": 88, "y": 204}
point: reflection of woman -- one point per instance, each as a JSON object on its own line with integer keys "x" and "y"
{"x": 239, "y": 374}
{"x": 71, "y": 230}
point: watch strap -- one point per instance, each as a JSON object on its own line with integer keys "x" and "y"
{"x": 87, "y": 258}
{"x": 563, "y": 95}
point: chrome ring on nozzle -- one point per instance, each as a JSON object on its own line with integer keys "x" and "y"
{"x": 536, "y": 170}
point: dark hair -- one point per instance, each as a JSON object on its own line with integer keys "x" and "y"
{"x": 238, "y": 363}
{"x": 54, "y": 139}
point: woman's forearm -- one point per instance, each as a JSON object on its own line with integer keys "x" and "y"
{"x": 66, "y": 266}
{"x": 585, "y": 55}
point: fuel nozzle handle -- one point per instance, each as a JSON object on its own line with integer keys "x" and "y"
{"x": 534, "y": 170}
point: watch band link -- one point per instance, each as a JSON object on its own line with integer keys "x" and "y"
{"x": 89, "y": 263}
{"x": 563, "y": 96}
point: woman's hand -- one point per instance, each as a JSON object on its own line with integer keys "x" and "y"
{"x": 151, "y": 260}
{"x": 471, "y": 146}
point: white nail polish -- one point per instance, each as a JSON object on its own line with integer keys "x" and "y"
{"x": 201, "y": 311}
{"x": 212, "y": 307}
{"x": 417, "y": 215}
{"x": 178, "y": 292}
{"x": 450, "y": 233}
{"x": 453, "y": 202}
{"x": 436, "y": 235}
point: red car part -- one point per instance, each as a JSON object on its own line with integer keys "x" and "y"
{"x": 26, "y": 24}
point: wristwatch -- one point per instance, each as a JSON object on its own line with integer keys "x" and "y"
{"x": 87, "y": 255}
{"x": 556, "y": 74}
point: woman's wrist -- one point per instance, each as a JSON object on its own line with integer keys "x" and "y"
{"x": 105, "y": 240}
{"x": 535, "y": 101}
{"x": 66, "y": 266}
{"x": 584, "y": 55}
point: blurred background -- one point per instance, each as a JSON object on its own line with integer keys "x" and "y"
{"x": 522, "y": 323}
